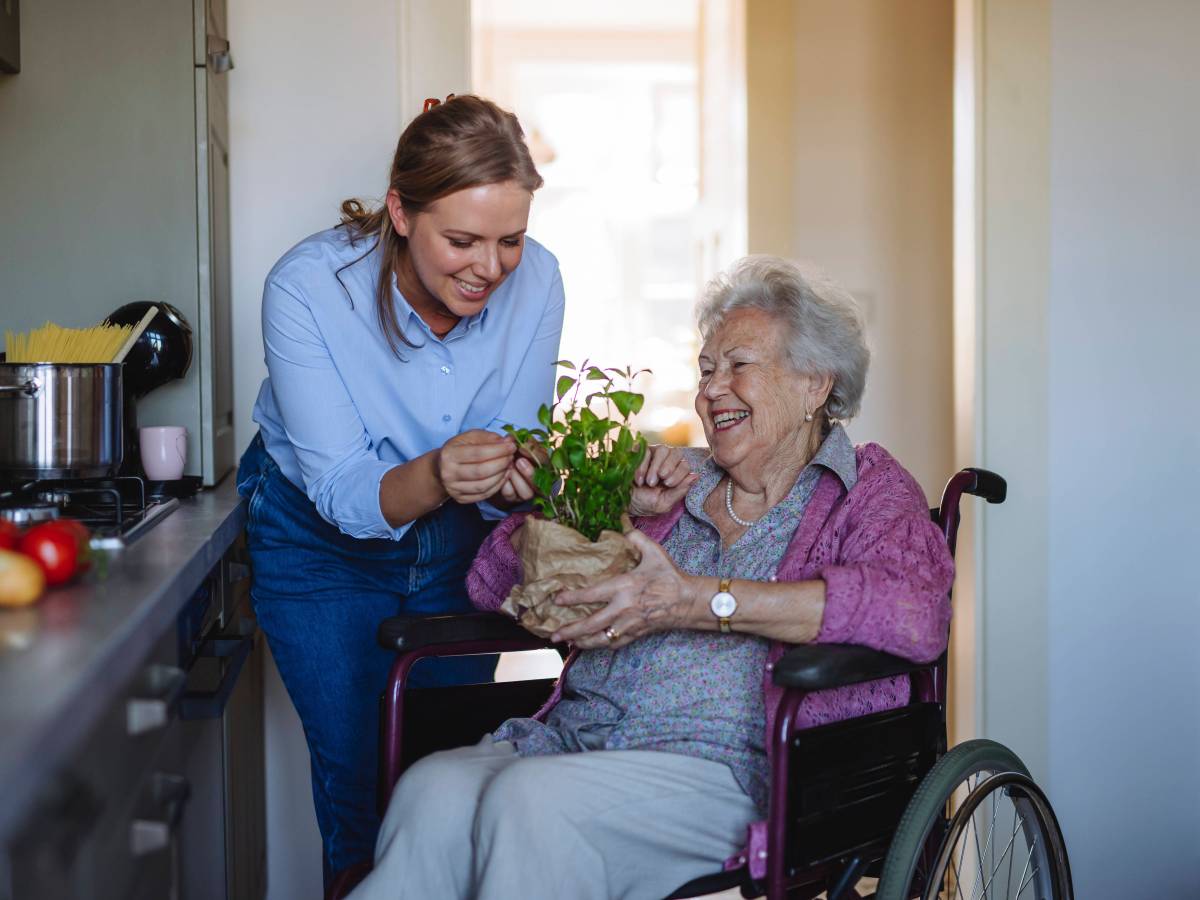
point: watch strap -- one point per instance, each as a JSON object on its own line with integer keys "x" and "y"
{"x": 723, "y": 622}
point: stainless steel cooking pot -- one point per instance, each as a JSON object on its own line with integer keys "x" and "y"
{"x": 60, "y": 420}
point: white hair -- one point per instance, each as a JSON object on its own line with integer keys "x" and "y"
{"x": 825, "y": 327}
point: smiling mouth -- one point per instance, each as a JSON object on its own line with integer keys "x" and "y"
{"x": 727, "y": 419}
{"x": 472, "y": 291}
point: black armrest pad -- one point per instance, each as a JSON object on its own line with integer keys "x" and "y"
{"x": 413, "y": 632}
{"x": 817, "y": 667}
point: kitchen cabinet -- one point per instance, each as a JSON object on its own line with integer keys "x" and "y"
{"x": 131, "y": 708}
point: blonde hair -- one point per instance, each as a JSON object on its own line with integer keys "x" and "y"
{"x": 465, "y": 142}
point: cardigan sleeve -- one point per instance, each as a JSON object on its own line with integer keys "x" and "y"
{"x": 888, "y": 586}
{"x": 496, "y": 567}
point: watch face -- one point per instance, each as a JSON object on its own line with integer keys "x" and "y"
{"x": 722, "y": 604}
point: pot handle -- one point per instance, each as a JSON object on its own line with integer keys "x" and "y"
{"x": 29, "y": 389}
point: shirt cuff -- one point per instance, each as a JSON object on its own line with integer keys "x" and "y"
{"x": 352, "y": 503}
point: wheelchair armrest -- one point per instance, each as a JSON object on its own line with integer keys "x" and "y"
{"x": 416, "y": 632}
{"x": 818, "y": 667}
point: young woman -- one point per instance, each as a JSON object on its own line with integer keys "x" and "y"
{"x": 397, "y": 344}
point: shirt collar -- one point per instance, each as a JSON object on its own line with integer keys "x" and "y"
{"x": 408, "y": 315}
{"x": 836, "y": 454}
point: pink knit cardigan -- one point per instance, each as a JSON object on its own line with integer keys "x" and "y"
{"x": 887, "y": 573}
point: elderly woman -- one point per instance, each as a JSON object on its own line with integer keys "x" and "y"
{"x": 649, "y": 762}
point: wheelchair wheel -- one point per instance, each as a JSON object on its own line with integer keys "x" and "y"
{"x": 977, "y": 825}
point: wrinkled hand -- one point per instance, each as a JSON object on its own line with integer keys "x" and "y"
{"x": 653, "y": 597}
{"x": 660, "y": 481}
{"x": 473, "y": 466}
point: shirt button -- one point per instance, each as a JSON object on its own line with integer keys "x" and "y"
{"x": 445, "y": 370}
{"x": 445, "y": 418}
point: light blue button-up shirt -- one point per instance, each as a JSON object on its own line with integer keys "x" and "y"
{"x": 339, "y": 409}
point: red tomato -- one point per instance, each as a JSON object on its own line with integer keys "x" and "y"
{"x": 82, "y": 536}
{"x": 54, "y": 548}
{"x": 10, "y": 534}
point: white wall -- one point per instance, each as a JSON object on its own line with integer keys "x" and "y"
{"x": 1124, "y": 440}
{"x": 1089, "y": 168}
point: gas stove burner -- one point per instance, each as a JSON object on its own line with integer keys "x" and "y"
{"x": 116, "y": 510}
{"x": 26, "y": 514}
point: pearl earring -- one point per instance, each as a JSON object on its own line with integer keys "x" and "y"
{"x": 808, "y": 417}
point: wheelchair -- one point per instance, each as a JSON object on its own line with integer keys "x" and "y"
{"x": 876, "y": 797}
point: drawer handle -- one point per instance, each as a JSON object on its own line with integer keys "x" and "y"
{"x": 236, "y": 572}
{"x": 159, "y": 692}
{"x": 211, "y": 704}
{"x": 154, "y": 831}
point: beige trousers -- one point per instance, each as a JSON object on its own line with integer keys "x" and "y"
{"x": 482, "y": 822}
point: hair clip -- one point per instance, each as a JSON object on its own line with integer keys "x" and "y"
{"x": 431, "y": 102}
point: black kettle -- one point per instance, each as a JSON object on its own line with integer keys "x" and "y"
{"x": 163, "y": 352}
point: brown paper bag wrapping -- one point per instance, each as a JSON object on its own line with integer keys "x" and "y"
{"x": 559, "y": 558}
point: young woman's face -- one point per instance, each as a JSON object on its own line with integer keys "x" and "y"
{"x": 461, "y": 248}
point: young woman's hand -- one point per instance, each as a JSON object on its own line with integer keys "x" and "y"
{"x": 660, "y": 481}
{"x": 517, "y": 486}
{"x": 473, "y": 465}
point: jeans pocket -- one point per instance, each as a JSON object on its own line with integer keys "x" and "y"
{"x": 247, "y": 482}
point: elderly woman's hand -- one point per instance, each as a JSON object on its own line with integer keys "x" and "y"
{"x": 663, "y": 477}
{"x": 653, "y": 597}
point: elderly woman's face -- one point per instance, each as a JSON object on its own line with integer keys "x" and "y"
{"x": 751, "y": 400}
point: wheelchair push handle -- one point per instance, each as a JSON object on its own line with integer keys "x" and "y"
{"x": 988, "y": 485}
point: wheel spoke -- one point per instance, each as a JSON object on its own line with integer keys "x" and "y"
{"x": 1026, "y": 884}
{"x": 1028, "y": 859}
{"x": 957, "y": 878}
{"x": 1005, "y": 852}
{"x": 978, "y": 853}
{"x": 1017, "y": 823}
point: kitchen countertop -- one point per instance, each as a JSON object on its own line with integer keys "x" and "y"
{"x": 66, "y": 659}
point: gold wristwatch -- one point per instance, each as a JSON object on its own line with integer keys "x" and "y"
{"x": 723, "y": 605}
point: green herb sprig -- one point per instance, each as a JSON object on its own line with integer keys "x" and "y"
{"x": 585, "y": 463}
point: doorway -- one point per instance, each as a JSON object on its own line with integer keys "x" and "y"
{"x": 635, "y": 120}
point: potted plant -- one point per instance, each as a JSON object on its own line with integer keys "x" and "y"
{"x": 585, "y": 464}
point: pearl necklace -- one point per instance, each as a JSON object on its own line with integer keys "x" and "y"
{"x": 729, "y": 506}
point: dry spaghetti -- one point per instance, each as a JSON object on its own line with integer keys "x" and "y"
{"x": 54, "y": 344}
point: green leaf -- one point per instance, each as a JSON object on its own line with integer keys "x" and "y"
{"x": 543, "y": 481}
{"x": 565, "y": 363}
{"x": 544, "y": 415}
{"x": 558, "y": 459}
{"x": 624, "y": 401}
{"x": 594, "y": 374}
{"x": 565, "y": 383}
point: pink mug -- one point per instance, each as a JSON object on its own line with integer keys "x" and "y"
{"x": 164, "y": 451}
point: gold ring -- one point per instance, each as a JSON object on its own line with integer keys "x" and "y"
{"x": 612, "y": 634}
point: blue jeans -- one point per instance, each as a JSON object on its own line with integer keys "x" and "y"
{"x": 319, "y": 596}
